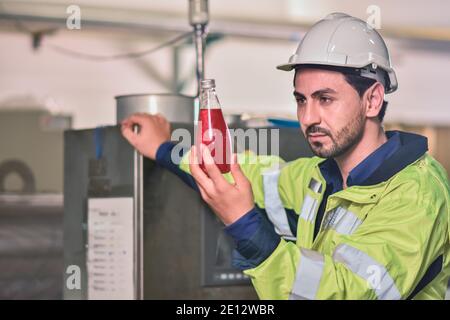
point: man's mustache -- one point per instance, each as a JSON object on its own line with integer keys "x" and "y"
{"x": 316, "y": 129}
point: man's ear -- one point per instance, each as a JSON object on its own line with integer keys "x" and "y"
{"x": 373, "y": 98}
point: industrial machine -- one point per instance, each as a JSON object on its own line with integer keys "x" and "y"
{"x": 174, "y": 243}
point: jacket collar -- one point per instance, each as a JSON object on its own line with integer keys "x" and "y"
{"x": 412, "y": 147}
{"x": 401, "y": 149}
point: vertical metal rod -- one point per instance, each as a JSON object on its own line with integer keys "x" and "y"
{"x": 138, "y": 225}
{"x": 176, "y": 69}
{"x": 141, "y": 227}
{"x": 198, "y": 19}
{"x": 199, "y": 50}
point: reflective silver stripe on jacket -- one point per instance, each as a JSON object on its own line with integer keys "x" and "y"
{"x": 308, "y": 275}
{"x": 309, "y": 208}
{"x": 310, "y": 205}
{"x": 343, "y": 221}
{"x": 366, "y": 267}
{"x": 274, "y": 207}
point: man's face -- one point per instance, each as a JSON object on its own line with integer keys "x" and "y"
{"x": 329, "y": 110}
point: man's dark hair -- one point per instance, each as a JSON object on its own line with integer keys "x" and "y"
{"x": 359, "y": 83}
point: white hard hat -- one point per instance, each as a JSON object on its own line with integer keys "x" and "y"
{"x": 344, "y": 41}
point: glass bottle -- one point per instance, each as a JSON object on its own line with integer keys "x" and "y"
{"x": 213, "y": 131}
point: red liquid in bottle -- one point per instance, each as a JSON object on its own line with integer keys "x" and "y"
{"x": 215, "y": 135}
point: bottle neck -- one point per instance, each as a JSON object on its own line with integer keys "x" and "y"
{"x": 209, "y": 99}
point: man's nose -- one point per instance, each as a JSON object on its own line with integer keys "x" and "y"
{"x": 309, "y": 116}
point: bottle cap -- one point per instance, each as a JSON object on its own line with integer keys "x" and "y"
{"x": 208, "y": 83}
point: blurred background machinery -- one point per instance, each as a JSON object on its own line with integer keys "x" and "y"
{"x": 31, "y": 202}
{"x": 31, "y": 251}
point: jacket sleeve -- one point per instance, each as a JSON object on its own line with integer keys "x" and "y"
{"x": 252, "y": 166}
{"x": 254, "y": 234}
{"x": 384, "y": 258}
{"x": 168, "y": 156}
{"x": 176, "y": 159}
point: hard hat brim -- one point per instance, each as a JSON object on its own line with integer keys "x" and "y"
{"x": 393, "y": 85}
{"x": 287, "y": 66}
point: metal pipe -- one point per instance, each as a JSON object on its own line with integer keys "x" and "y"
{"x": 198, "y": 18}
{"x": 234, "y": 29}
{"x": 159, "y": 21}
{"x": 200, "y": 54}
{"x": 138, "y": 225}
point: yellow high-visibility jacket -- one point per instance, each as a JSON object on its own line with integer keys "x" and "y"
{"x": 384, "y": 240}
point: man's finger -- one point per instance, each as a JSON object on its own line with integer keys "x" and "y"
{"x": 211, "y": 168}
{"x": 125, "y": 122}
{"x": 237, "y": 173}
{"x": 128, "y": 133}
{"x": 204, "y": 194}
{"x": 197, "y": 173}
{"x": 137, "y": 118}
{"x": 134, "y": 118}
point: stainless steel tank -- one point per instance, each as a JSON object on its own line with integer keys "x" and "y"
{"x": 175, "y": 107}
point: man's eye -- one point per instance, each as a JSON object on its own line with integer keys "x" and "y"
{"x": 300, "y": 100}
{"x": 325, "y": 99}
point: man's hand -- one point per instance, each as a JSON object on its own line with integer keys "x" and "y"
{"x": 228, "y": 201}
{"x": 154, "y": 130}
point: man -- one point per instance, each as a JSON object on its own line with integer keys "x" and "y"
{"x": 368, "y": 218}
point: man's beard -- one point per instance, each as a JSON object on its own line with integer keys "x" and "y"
{"x": 342, "y": 141}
